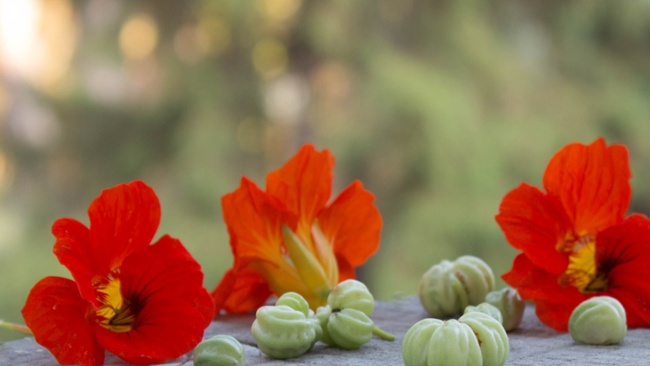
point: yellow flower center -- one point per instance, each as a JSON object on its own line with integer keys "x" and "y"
{"x": 582, "y": 271}
{"x": 115, "y": 313}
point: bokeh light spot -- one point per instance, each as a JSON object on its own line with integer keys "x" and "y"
{"x": 37, "y": 41}
{"x": 278, "y": 10}
{"x": 18, "y": 34}
{"x": 270, "y": 58}
{"x": 138, "y": 37}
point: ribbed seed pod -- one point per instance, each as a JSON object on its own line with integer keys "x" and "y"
{"x": 492, "y": 338}
{"x": 295, "y": 301}
{"x": 512, "y": 307}
{"x": 350, "y": 328}
{"x": 486, "y": 308}
{"x": 598, "y": 320}
{"x": 220, "y": 350}
{"x": 447, "y": 288}
{"x": 352, "y": 294}
{"x": 283, "y": 332}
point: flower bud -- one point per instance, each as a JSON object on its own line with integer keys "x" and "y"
{"x": 220, "y": 350}
{"x": 598, "y": 320}
{"x": 283, "y": 332}
{"x": 512, "y": 307}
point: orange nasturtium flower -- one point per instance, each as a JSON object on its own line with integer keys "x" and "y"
{"x": 143, "y": 302}
{"x": 575, "y": 240}
{"x": 288, "y": 238}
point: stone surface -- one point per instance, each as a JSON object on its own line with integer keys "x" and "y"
{"x": 531, "y": 344}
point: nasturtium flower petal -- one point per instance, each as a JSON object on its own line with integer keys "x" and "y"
{"x": 126, "y": 216}
{"x": 74, "y": 252}
{"x": 56, "y": 314}
{"x": 240, "y": 290}
{"x": 303, "y": 185}
{"x": 533, "y": 223}
{"x": 254, "y": 220}
{"x": 592, "y": 182}
{"x": 164, "y": 283}
{"x": 623, "y": 251}
{"x": 341, "y": 221}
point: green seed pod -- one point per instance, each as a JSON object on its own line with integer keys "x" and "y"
{"x": 282, "y": 332}
{"x": 447, "y": 288}
{"x": 438, "y": 290}
{"x": 220, "y": 350}
{"x": 415, "y": 345}
{"x": 492, "y": 338}
{"x": 323, "y": 315}
{"x": 598, "y": 320}
{"x": 432, "y": 342}
{"x": 476, "y": 276}
{"x": 351, "y": 294}
{"x": 486, "y": 308}
{"x": 512, "y": 307}
{"x": 454, "y": 344}
{"x": 295, "y": 301}
{"x": 350, "y": 328}
{"x": 311, "y": 316}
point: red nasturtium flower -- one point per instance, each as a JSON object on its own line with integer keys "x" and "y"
{"x": 288, "y": 238}
{"x": 575, "y": 240}
{"x": 144, "y": 303}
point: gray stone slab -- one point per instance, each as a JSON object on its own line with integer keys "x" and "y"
{"x": 531, "y": 344}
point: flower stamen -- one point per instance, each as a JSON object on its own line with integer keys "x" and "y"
{"x": 582, "y": 271}
{"x": 115, "y": 313}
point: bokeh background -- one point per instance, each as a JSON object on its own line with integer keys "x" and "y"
{"x": 438, "y": 107}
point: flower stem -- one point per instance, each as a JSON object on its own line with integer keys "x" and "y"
{"x": 15, "y": 327}
{"x": 382, "y": 334}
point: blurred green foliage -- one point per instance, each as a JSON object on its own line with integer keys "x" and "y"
{"x": 438, "y": 107}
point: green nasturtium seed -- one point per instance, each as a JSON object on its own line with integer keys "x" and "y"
{"x": 491, "y": 335}
{"x": 599, "y": 320}
{"x": 476, "y": 276}
{"x": 433, "y": 342}
{"x": 351, "y": 294}
{"x": 415, "y": 345}
{"x": 447, "y": 288}
{"x": 323, "y": 315}
{"x": 295, "y": 301}
{"x": 345, "y": 320}
{"x": 437, "y": 294}
{"x": 311, "y": 316}
{"x": 486, "y": 308}
{"x": 283, "y": 332}
{"x": 512, "y": 307}
{"x": 220, "y": 350}
{"x": 350, "y": 328}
